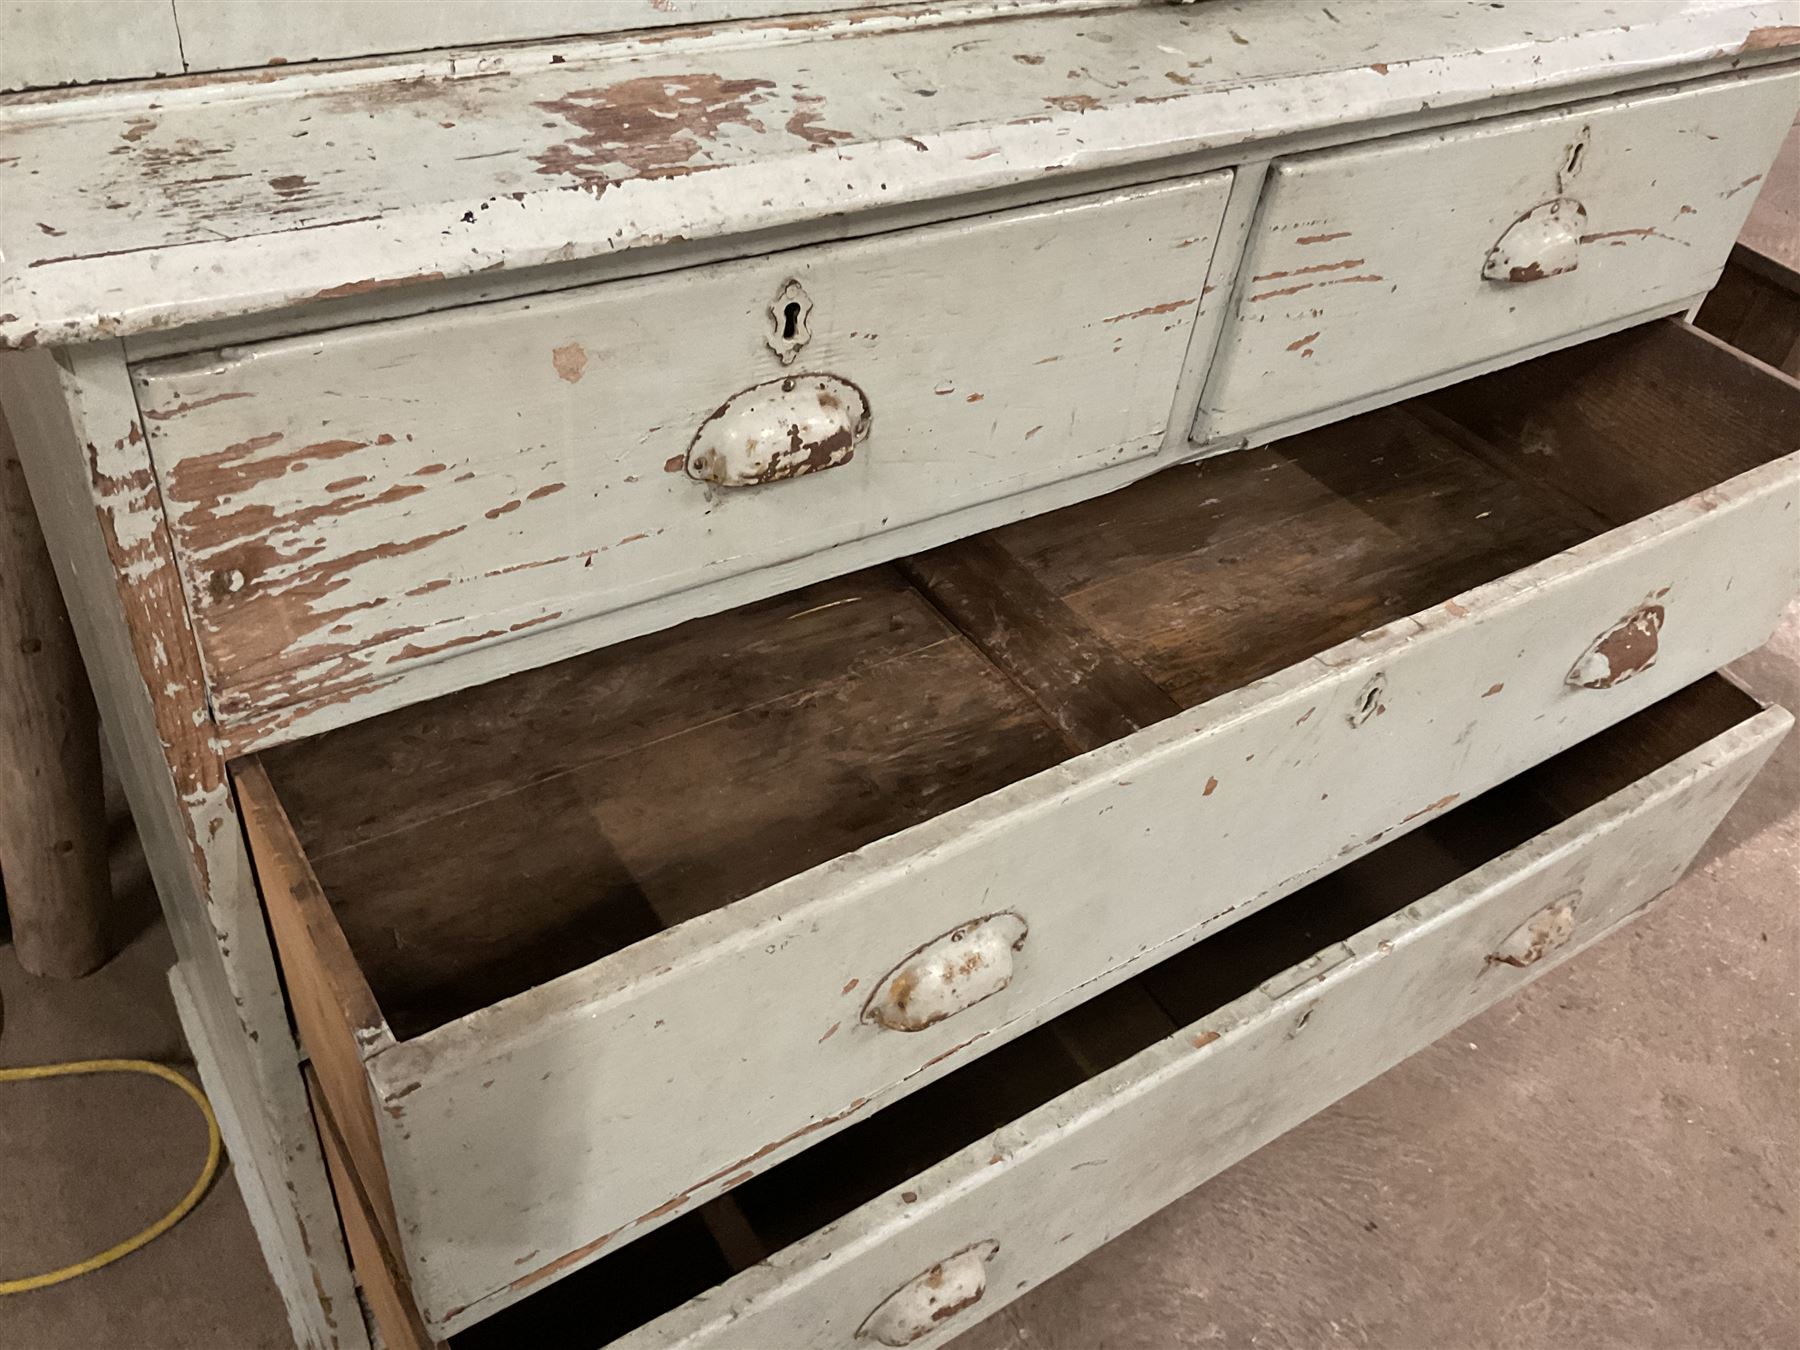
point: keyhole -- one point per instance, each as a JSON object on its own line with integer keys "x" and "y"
{"x": 790, "y": 319}
{"x": 1574, "y": 165}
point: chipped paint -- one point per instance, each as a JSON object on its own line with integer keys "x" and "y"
{"x": 952, "y": 972}
{"x": 570, "y": 361}
{"x": 1624, "y": 651}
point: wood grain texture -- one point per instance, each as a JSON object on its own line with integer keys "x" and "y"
{"x": 53, "y": 878}
{"x": 1756, "y": 314}
{"x": 402, "y": 493}
{"x": 561, "y": 154}
{"x": 1127, "y": 853}
{"x": 1085, "y": 1165}
{"x": 689, "y": 769}
{"x": 379, "y": 1272}
{"x": 82, "y": 444}
{"x": 1365, "y": 266}
{"x": 1092, "y": 693}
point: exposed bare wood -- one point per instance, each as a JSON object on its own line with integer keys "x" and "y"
{"x": 53, "y": 876}
{"x": 380, "y": 1273}
{"x": 82, "y": 444}
{"x": 1093, "y": 694}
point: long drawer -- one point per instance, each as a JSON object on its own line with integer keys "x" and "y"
{"x": 910, "y": 1226}
{"x": 346, "y": 507}
{"x": 806, "y": 857}
{"x": 1382, "y": 265}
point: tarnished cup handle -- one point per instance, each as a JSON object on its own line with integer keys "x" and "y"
{"x": 796, "y": 425}
{"x": 931, "y": 1298}
{"x": 949, "y": 973}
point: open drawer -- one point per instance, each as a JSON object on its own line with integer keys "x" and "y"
{"x": 914, "y": 1223}
{"x": 576, "y": 952}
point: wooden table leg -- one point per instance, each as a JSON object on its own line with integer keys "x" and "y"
{"x": 52, "y": 805}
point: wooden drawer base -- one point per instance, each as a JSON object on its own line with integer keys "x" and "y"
{"x": 1091, "y": 1122}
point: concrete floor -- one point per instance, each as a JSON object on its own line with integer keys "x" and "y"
{"x": 1611, "y": 1158}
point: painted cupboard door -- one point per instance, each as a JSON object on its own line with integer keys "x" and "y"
{"x": 350, "y": 505}
{"x": 1376, "y": 267}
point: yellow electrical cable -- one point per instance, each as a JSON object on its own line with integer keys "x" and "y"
{"x": 162, "y": 1225}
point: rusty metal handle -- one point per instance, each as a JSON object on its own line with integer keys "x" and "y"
{"x": 1551, "y": 927}
{"x": 1544, "y": 242}
{"x": 949, "y": 973}
{"x": 1626, "y": 649}
{"x": 928, "y": 1300}
{"x": 784, "y": 428}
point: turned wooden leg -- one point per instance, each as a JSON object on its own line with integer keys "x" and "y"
{"x": 52, "y": 808}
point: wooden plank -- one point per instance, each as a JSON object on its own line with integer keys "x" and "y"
{"x": 1103, "y": 858}
{"x": 379, "y": 1274}
{"x": 53, "y": 878}
{"x": 1630, "y": 424}
{"x": 503, "y": 153}
{"x": 494, "y": 472}
{"x": 1093, "y": 694}
{"x": 1063, "y": 1179}
{"x": 224, "y": 35}
{"x": 82, "y": 445}
{"x": 1214, "y": 575}
{"x": 1345, "y": 290}
{"x": 1757, "y": 315}
{"x": 340, "y": 1024}
{"x": 55, "y": 44}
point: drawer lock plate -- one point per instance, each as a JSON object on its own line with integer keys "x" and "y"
{"x": 784, "y": 428}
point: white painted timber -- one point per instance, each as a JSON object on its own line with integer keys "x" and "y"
{"x": 1366, "y": 266}
{"x": 627, "y": 1060}
{"x": 82, "y": 445}
{"x": 130, "y": 211}
{"x": 223, "y": 34}
{"x": 1047, "y": 1189}
{"x": 50, "y": 42}
{"x": 348, "y": 505}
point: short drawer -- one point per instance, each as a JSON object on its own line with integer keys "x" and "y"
{"x": 1374, "y": 268}
{"x": 807, "y": 856}
{"x": 347, "y": 506}
{"x": 912, "y": 1225}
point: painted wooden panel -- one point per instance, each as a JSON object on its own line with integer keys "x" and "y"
{"x": 1112, "y": 859}
{"x": 1059, "y": 1182}
{"x": 1365, "y": 269}
{"x": 51, "y": 42}
{"x": 223, "y": 34}
{"x": 349, "y": 505}
{"x": 131, "y": 213}
{"x": 82, "y": 444}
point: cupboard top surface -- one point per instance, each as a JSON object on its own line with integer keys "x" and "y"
{"x": 165, "y": 204}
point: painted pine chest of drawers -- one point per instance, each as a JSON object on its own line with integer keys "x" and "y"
{"x": 819, "y": 655}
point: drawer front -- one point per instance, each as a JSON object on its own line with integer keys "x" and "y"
{"x": 1375, "y": 268}
{"x": 349, "y": 505}
{"x": 814, "y": 1001}
{"x": 929, "y": 1258}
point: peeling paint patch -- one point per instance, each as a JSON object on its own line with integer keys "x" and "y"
{"x": 570, "y": 361}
